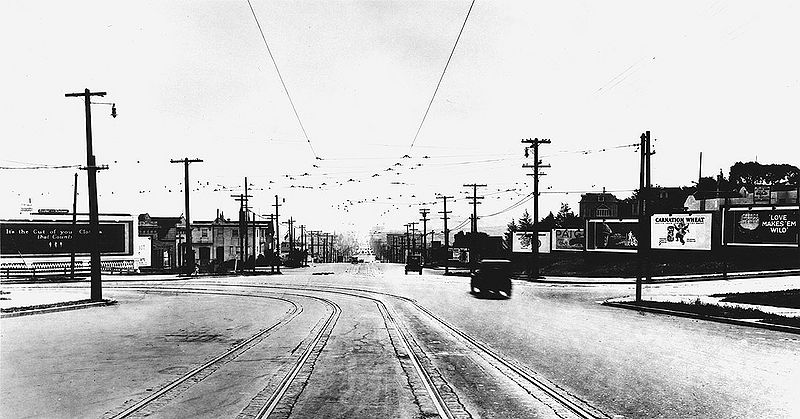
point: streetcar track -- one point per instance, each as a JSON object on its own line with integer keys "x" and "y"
{"x": 582, "y": 409}
{"x": 551, "y": 390}
{"x": 271, "y": 403}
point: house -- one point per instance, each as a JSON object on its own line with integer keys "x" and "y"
{"x": 599, "y": 205}
{"x": 164, "y": 244}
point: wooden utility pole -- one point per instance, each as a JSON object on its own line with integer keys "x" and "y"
{"x": 474, "y": 198}
{"x": 424, "y": 219}
{"x": 413, "y": 236}
{"x": 94, "y": 217}
{"x": 277, "y": 235}
{"x": 188, "y": 259}
{"x": 446, "y": 233}
{"x": 643, "y": 247}
{"x": 537, "y": 164}
{"x": 74, "y": 232}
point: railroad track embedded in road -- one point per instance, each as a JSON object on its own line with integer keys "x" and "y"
{"x": 520, "y": 375}
{"x": 147, "y": 405}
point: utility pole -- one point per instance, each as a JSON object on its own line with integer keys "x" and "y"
{"x": 242, "y": 199}
{"x": 413, "y": 237}
{"x": 303, "y": 244}
{"x": 537, "y": 164}
{"x": 74, "y": 222}
{"x": 424, "y": 219}
{"x": 94, "y": 217}
{"x": 406, "y": 242}
{"x": 277, "y": 235}
{"x": 473, "y": 257}
{"x": 188, "y": 259}
{"x": 644, "y": 219}
{"x": 446, "y": 233}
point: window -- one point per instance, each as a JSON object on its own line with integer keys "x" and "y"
{"x": 234, "y": 233}
{"x": 602, "y": 212}
{"x": 204, "y": 233}
{"x": 601, "y": 198}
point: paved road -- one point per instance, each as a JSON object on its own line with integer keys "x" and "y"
{"x": 609, "y": 362}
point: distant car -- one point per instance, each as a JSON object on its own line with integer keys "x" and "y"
{"x": 414, "y": 263}
{"x": 492, "y": 275}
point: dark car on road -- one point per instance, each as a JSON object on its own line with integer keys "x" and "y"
{"x": 492, "y": 275}
{"x": 414, "y": 263}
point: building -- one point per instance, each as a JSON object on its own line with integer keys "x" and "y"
{"x": 752, "y": 195}
{"x": 599, "y": 205}
{"x": 212, "y": 241}
{"x": 219, "y": 240}
{"x": 163, "y": 233}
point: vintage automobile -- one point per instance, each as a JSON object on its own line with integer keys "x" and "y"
{"x": 492, "y": 275}
{"x": 414, "y": 263}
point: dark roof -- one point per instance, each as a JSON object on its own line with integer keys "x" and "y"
{"x": 594, "y": 197}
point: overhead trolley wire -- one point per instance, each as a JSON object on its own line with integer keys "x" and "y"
{"x": 282, "y": 82}
{"x": 442, "y": 76}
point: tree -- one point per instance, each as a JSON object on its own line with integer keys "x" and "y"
{"x": 511, "y": 228}
{"x": 547, "y": 223}
{"x": 751, "y": 173}
{"x": 566, "y": 218}
{"x": 526, "y": 222}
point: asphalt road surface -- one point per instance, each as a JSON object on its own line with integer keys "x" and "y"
{"x": 368, "y": 341}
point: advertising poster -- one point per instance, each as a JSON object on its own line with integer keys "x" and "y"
{"x": 143, "y": 251}
{"x": 461, "y": 254}
{"x": 522, "y": 242}
{"x": 612, "y": 235}
{"x": 568, "y": 239}
{"x": 680, "y": 231}
{"x": 56, "y": 238}
{"x": 761, "y": 226}
{"x": 761, "y": 194}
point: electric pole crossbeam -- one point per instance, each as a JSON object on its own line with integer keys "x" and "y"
{"x": 537, "y": 164}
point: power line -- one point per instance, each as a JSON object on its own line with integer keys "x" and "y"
{"x": 442, "y": 76}
{"x": 282, "y": 82}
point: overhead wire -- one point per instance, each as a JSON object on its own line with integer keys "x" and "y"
{"x": 285, "y": 89}
{"x": 424, "y": 116}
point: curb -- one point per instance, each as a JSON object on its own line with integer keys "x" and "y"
{"x": 57, "y": 309}
{"x": 769, "y": 326}
{"x": 666, "y": 279}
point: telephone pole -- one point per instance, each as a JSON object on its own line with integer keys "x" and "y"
{"x": 413, "y": 236}
{"x": 424, "y": 219}
{"x": 473, "y": 257}
{"x": 74, "y": 233}
{"x": 242, "y": 199}
{"x": 474, "y": 198}
{"x": 188, "y": 258}
{"x": 643, "y": 248}
{"x": 277, "y": 235}
{"x": 303, "y": 243}
{"x": 537, "y": 164}
{"x": 94, "y": 217}
{"x": 446, "y": 233}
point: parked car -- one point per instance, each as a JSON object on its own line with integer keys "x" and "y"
{"x": 492, "y": 275}
{"x": 414, "y": 263}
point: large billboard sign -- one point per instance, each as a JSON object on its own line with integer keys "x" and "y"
{"x": 570, "y": 239}
{"x": 523, "y": 239}
{"x": 49, "y": 238}
{"x": 612, "y": 235}
{"x": 681, "y": 231}
{"x": 761, "y": 226}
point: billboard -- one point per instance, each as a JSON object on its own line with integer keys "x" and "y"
{"x": 612, "y": 235}
{"x": 31, "y": 238}
{"x": 143, "y": 251}
{"x": 522, "y": 242}
{"x": 568, "y": 239}
{"x": 681, "y": 231}
{"x": 761, "y": 226}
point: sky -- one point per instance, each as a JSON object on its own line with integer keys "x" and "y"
{"x": 194, "y": 79}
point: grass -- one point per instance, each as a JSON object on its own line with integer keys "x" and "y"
{"x": 61, "y": 304}
{"x": 714, "y": 310}
{"x": 785, "y": 298}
